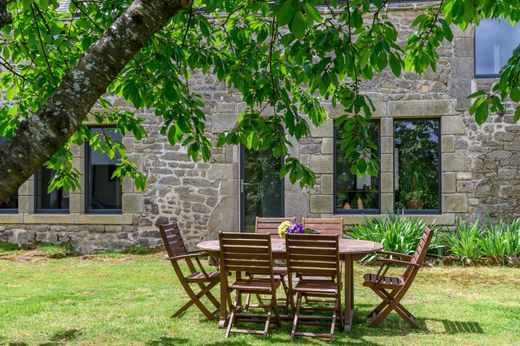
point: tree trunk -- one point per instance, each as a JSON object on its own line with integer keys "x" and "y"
{"x": 40, "y": 136}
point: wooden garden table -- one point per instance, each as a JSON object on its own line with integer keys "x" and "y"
{"x": 349, "y": 249}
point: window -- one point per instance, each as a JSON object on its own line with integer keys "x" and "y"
{"x": 417, "y": 165}
{"x": 495, "y": 41}
{"x": 57, "y": 201}
{"x": 103, "y": 192}
{"x": 11, "y": 204}
{"x": 352, "y": 193}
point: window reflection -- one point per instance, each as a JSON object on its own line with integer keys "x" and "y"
{"x": 261, "y": 186}
{"x": 103, "y": 191}
{"x": 56, "y": 200}
{"x": 495, "y": 41}
{"x": 416, "y": 164}
{"x": 355, "y": 192}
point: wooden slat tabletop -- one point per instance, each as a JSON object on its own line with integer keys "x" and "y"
{"x": 346, "y": 246}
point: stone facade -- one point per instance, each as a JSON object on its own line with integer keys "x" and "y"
{"x": 480, "y": 164}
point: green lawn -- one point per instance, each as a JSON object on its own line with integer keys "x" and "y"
{"x": 128, "y": 300}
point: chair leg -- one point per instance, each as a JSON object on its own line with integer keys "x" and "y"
{"x": 333, "y": 324}
{"x": 377, "y": 310}
{"x": 380, "y": 317}
{"x": 210, "y": 296}
{"x": 233, "y": 314}
{"x": 195, "y": 299}
{"x": 274, "y": 303}
{"x": 268, "y": 320}
{"x": 296, "y": 315}
{"x": 393, "y": 303}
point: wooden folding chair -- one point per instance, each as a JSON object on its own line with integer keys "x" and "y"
{"x": 392, "y": 289}
{"x": 269, "y": 225}
{"x": 333, "y": 225}
{"x": 176, "y": 250}
{"x": 251, "y": 253}
{"x": 315, "y": 260}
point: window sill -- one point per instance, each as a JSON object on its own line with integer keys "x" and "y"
{"x": 67, "y": 219}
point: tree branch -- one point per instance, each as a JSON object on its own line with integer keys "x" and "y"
{"x": 40, "y": 136}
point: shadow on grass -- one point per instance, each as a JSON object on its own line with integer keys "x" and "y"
{"x": 167, "y": 341}
{"x": 459, "y": 327}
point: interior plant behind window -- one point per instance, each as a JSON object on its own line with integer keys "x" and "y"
{"x": 417, "y": 164}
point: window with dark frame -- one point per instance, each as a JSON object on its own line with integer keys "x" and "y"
{"x": 11, "y": 204}
{"x": 103, "y": 193}
{"x": 495, "y": 41}
{"x": 355, "y": 194}
{"x": 417, "y": 171}
{"x": 56, "y": 201}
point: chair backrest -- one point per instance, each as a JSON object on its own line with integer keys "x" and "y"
{"x": 172, "y": 239}
{"x": 333, "y": 225}
{"x": 246, "y": 252}
{"x": 420, "y": 254}
{"x": 313, "y": 256}
{"x": 269, "y": 225}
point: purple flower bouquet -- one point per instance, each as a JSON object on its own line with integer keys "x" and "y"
{"x": 295, "y": 228}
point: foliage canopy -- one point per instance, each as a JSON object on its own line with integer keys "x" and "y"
{"x": 287, "y": 59}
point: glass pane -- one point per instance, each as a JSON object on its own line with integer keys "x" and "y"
{"x": 495, "y": 41}
{"x": 416, "y": 164}
{"x": 262, "y": 187}
{"x": 352, "y": 191}
{"x": 56, "y": 200}
{"x": 104, "y": 192}
{"x": 12, "y": 202}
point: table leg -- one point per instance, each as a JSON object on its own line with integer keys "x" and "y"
{"x": 349, "y": 293}
{"x": 223, "y": 301}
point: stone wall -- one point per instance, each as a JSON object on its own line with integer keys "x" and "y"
{"x": 480, "y": 165}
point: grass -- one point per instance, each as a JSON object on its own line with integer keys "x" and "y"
{"x": 128, "y": 300}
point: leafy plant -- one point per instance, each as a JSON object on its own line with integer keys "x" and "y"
{"x": 497, "y": 242}
{"x": 501, "y": 241}
{"x": 464, "y": 241}
{"x": 397, "y": 233}
{"x": 138, "y": 250}
{"x": 55, "y": 250}
{"x": 6, "y": 247}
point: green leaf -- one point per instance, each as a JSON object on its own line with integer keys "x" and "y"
{"x": 298, "y": 25}
{"x": 477, "y": 94}
{"x": 356, "y": 19}
{"x": 517, "y": 114}
{"x": 482, "y": 113}
{"x": 285, "y": 13}
{"x": 515, "y": 94}
{"x": 9, "y": 94}
{"x": 395, "y": 65}
{"x": 313, "y": 13}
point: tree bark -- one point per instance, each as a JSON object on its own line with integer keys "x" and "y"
{"x": 40, "y": 136}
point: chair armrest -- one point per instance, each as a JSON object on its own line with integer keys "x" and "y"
{"x": 394, "y": 261}
{"x": 188, "y": 255}
{"x": 397, "y": 254}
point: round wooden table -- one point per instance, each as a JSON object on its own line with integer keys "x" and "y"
{"x": 349, "y": 249}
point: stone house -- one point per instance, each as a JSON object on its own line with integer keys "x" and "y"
{"x": 471, "y": 171}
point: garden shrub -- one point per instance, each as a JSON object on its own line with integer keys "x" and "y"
{"x": 398, "y": 233}
{"x": 498, "y": 243}
{"x": 463, "y": 243}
